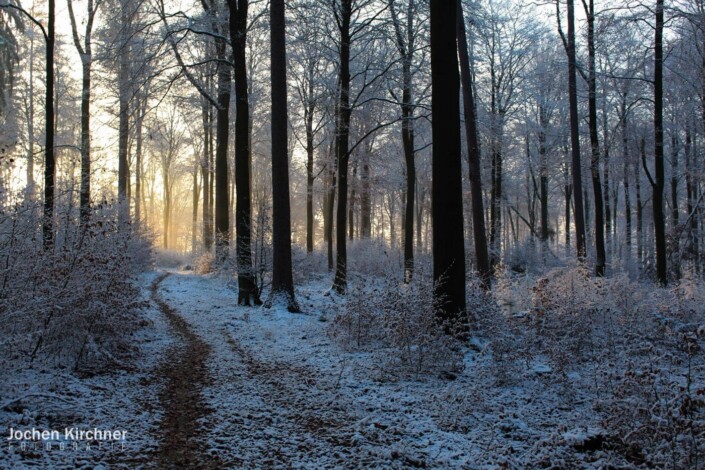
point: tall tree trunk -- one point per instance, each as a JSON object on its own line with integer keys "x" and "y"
{"x": 30, "y": 122}
{"x": 576, "y": 171}
{"x": 342, "y": 135}
{"x": 222, "y": 196}
{"x": 351, "y": 205}
{"x": 447, "y": 194}
{"x": 405, "y": 46}
{"x": 194, "y": 208}
{"x": 601, "y": 255}
{"x": 49, "y": 162}
{"x": 640, "y": 207}
{"x": 247, "y": 289}
{"x": 124, "y": 116}
{"x": 474, "y": 158}
{"x": 308, "y": 116}
{"x": 365, "y": 197}
{"x": 141, "y": 111}
{"x": 691, "y": 196}
{"x": 86, "y": 61}
{"x": 626, "y": 159}
{"x": 674, "y": 204}
{"x": 206, "y": 172}
{"x": 282, "y": 278}
{"x": 658, "y": 183}
{"x": 85, "y": 197}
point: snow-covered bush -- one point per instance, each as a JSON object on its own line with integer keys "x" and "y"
{"x": 73, "y": 305}
{"x": 399, "y": 323}
{"x": 636, "y": 349}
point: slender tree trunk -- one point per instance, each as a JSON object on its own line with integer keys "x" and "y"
{"x": 474, "y": 158}
{"x": 222, "y": 196}
{"x": 365, "y": 199}
{"x": 342, "y": 135}
{"x": 282, "y": 278}
{"x": 577, "y": 185}
{"x": 447, "y": 199}
{"x": 30, "y": 122}
{"x": 124, "y": 113}
{"x": 595, "y": 147}
{"x": 674, "y": 204}
{"x": 85, "y": 198}
{"x": 207, "y": 114}
{"x": 194, "y": 208}
{"x": 640, "y": 208}
{"x": 141, "y": 110}
{"x": 247, "y": 289}
{"x": 309, "y": 111}
{"x": 49, "y": 162}
{"x": 658, "y": 184}
{"x": 691, "y": 196}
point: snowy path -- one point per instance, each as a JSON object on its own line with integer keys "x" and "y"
{"x": 266, "y": 411}
{"x": 185, "y": 372}
{"x": 280, "y": 393}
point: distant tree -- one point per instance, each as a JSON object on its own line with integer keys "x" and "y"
{"x": 86, "y": 53}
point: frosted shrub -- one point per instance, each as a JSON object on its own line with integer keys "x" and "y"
{"x": 397, "y": 322}
{"x": 74, "y": 306}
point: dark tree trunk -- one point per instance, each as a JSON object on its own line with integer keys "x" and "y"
{"x": 351, "y": 205}
{"x": 577, "y": 186}
{"x": 49, "y": 162}
{"x": 282, "y": 278}
{"x": 123, "y": 113}
{"x": 405, "y": 46}
{"x": 475, "y": 173}
{"x": 342, "y": 135}
{"x": 308, "y": 115}
{"x": 222, "y": 196}
{"x": 447, "y": 195}
{"x": 640, "y": 208}
{"x": 206, "y": 172}
{"x": 141, "y": 110}
{"x": 194, "y": 210}
{"x": 691, "y": 195}
{"x": 595, "y": 147}
{"x": 659, "y": 177}
{"x": 674, "y": 205}
{"x": 85, "y": 197}
{"x": 365, "y": 200}
{"x": 626, "y": 159}
{"x": 247, "y": 290}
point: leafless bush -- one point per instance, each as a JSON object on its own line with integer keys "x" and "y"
{"x": 204, "y": 264}
{"x": 74, "y": 305}
{"x": 399, "y": 323}
{"x": 639, "y": 349}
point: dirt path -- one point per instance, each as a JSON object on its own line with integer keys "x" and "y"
{"x": 185, "y": 373}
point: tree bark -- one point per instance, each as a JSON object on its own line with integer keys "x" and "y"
{"x": 474, "y": 158}
{"x": 342, "y": 135}
{"x": 576, "y": 171}
{"x": 247, "y": 290}
{"x": 659, "y": 177}
{"x": 49, "y": 161}
{"x": 601, "y": 255}
{"x": 282, "y": 278}
{"x": 447, "y": 196}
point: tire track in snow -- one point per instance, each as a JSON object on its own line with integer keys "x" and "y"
{"x": 185, "y": 373}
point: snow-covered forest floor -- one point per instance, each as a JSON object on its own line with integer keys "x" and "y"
{"x": 613, "y": 377}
